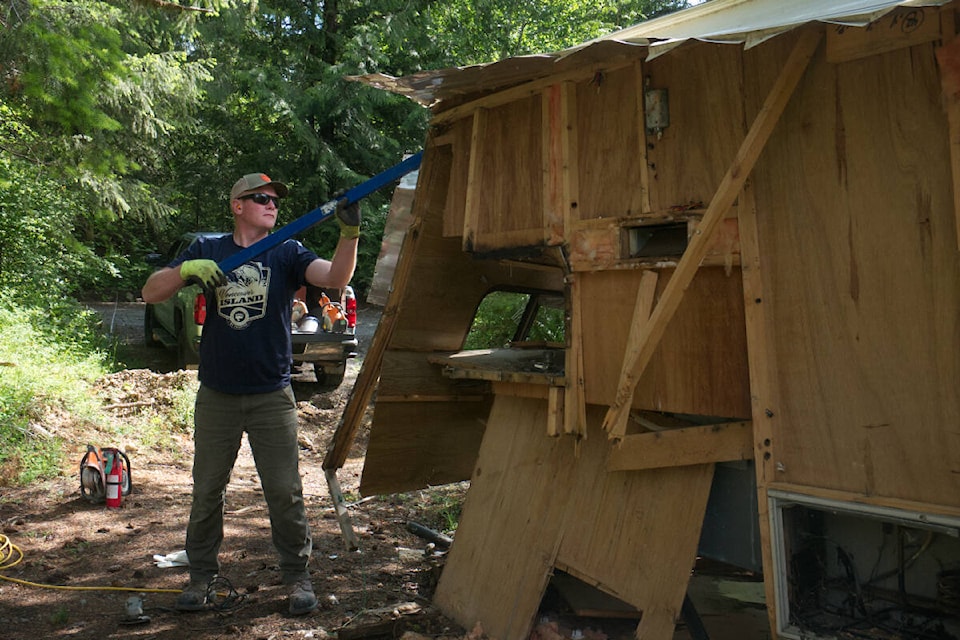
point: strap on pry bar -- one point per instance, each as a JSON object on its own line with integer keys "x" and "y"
{"x": 321, "y": 213}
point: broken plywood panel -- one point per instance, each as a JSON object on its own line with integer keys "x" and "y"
{"x": 534, "y": 504}
{"x": 411, "y": 452}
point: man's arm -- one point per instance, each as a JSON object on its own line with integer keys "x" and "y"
{"x": 165, "y": 282}
{"x": 334, "y": 273}
{"x": 162, "y": 284}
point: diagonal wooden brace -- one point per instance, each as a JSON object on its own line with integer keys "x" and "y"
{"x": 615, "y": 421}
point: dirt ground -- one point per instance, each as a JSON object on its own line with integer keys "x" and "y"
{"x": 86, "y": 562}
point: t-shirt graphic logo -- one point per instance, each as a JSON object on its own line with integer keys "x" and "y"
{"x": 244, "y": 298}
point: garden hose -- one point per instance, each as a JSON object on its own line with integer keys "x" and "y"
{"x": 11, "y": 556}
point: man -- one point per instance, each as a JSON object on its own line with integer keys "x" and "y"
{"x": 245, "y": 378}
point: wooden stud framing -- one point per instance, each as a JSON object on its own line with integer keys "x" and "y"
{"x": 477, "y": 147}
{"x": 641, "y": 315}
{"x": 559, "y": 160}
{"x": 764, "y": 399}
{"x": 727, "y": 192}
{"x": 532, "y": 88}
{"x": 948, "y": 57}
{"x": 555, "y": 404}
{"x": 574, "y": 397}
{"x": 641, "y": 140}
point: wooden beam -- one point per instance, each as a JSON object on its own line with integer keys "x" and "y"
{"x": 574, "y": 397}
{"x": 641, "y": 315}
{"x": 902, "y": 27}
{"x": 471, "y": 215}
{"x": 682, "y": 447}
{"x": 559, "y": 160}
{"x": 555, "y": 411}
{"x": 533, "y": 87}
{"x": 948, "y": 58}
{"x": 350, "y": 539}
{"x": 641, "y": 141}
{"x": 730, "y": 186}
{"x": 764, "y": 396}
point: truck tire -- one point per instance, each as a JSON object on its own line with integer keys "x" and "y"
{"x": 326, "y": 381}
{"x": 148, "y": 322}
{"x": 186, "y": 358}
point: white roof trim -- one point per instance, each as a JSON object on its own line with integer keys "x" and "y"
{"x": 751, "y": 22}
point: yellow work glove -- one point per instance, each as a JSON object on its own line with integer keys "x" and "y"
{"x": 348, "y": 217}
{"x": 206, "y": 271}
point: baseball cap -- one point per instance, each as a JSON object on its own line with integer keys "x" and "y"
{"x": 253, "y": 181}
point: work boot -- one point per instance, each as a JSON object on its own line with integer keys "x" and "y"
{"x": 194, "y": 597}
{"x": 302, "y": 600}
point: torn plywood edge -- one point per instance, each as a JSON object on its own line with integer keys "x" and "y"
{"x": 509, "y": 539}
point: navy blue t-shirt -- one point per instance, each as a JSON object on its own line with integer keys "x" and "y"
{"x": 245, "y": 344}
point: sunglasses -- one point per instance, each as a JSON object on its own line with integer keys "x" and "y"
{"x": 262, "y": 198}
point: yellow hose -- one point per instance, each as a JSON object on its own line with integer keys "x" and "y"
{"x": 11, "y": 556}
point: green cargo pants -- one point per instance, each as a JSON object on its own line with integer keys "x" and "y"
{"x": 270, "y": 421}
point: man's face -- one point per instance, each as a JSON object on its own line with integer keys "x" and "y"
{"x": 258, "y": 209}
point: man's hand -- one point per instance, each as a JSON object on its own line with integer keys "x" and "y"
{"x": 348, "y": 217}
{"x": 206, "y": 271}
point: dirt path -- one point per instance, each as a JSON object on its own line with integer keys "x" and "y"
{"x": 70, "y": 546}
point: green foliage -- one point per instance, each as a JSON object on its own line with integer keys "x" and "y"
{"x": 41, "y": 259}
{"x": 478, "y": 31}
{"x": 47, "y": 363}
{"x": 496, "y": 320}
{"x": 498, "y": 316}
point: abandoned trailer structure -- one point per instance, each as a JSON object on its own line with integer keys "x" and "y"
{"x": 749, "y": 211}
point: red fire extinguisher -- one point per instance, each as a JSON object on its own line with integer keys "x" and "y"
{"x": 114, "y": 474}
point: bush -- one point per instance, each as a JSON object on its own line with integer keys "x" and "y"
{"x": 48, "y": 362}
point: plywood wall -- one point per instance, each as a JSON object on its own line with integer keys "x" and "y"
{"x": 700, "y": 367}
{"x": 610, "y": 144}
{"x": 858, "y": 251}
{"x": 706, "y": 123}
{"x": 504, "y": 196}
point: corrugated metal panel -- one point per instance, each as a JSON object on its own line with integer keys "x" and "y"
{"x": 746, "y": 22}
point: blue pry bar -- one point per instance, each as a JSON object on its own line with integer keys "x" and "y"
{"x": 321, "y": 213}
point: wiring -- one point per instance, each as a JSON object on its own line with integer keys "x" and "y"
{"x": 221, "y": 595}
{"x": 11, "y": 556}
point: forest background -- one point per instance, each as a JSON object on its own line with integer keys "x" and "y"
{"x": 124, "y": 123}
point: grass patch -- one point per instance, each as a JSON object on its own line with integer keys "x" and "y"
{"x": 57, "y": 373}
{"x": 44, "y": 374}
